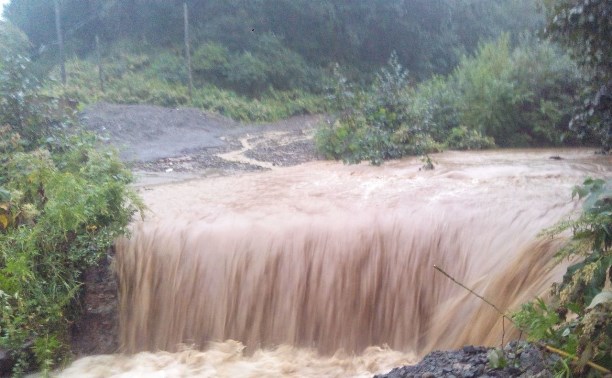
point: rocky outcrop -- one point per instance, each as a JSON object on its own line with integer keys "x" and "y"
{"x": 518, "y": 359}
{"x": 96, "y": 330}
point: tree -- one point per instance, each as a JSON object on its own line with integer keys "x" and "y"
{"x": 429, "y": 36}
{"x": 585, "y": 26}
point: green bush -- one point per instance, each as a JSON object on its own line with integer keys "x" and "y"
{"x": 12, "y": 40}
{"x": 462, "y": 138}
{"x": 265, "y": 64}
{"x": 578, "y": 319}
{"x": 139, "y": 79}
{"x": 248, "y": 74}
{"x": 521, "y": 96}
{"x": 511, "y": 97}
{"x": 287, "y": 69}
{"x": 63, "y": 201}
{"x": 63, "y": 206}
{"x": 209, "y": 62}
{"x": 388, "y": 122}
{"x": 273, "y": 105}
{"x": 168, "y": 67}
{"x": 343, "y": 140}
{"x": 442, "y": 96}
{"x": 584, "y": 27}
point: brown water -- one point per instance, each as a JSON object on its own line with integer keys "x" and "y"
{"x": 298, "y": 263}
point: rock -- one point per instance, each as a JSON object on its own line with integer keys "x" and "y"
{"x": 521, "y": 360}
{"x": 6, "y": 363}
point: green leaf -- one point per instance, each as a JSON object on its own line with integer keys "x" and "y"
{"x": 5, "y": 195}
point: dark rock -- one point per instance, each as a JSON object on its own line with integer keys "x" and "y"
{"x": 522, "y": 360}
{"x": 6, "y": 363}
{"x": 96, "y": 331}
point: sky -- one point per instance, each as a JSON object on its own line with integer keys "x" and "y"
{"x": 2, "y": 2}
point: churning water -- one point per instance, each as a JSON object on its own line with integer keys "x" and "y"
{"x": 327, "y": 270}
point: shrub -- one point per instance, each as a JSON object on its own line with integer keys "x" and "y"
{"x": 518, "y": 96}
{"x": 584, "y": 27}
{"x": 343, "y": 140}
{"x": 168, "y": 67}
{"x": 578, "y": 320}
{"x": 137, "y": 79}
{"x": 286, "y": 69}
{"x": 247, "y": 73}
{"x": 62, "y": 207}
{"x": 126, "y": 82}
{"x": 209, "y": 63}
{"x": 273, "y": 105}
{"x": 21, "y": 106}
{"x": 521, "y": 96}
{"x": 462, "y": 138}
{"x": 442, "y": 95}
{"x": 63, "y": 200}
{"x": 389, "y": 122}
{"x": 265, "y": 64}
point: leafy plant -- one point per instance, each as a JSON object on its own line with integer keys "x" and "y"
{"x": 66, "y": 205}
{"x": 462, "y": 138}
{"x": 140, "y": 79}
{"x": 539, "y": 319}
{"x": 519, "y": 97}
{"x": 586, "y": 287}
{"x": 497, "y": 359}
{"x": 584, "y": 26}
{"x": 390, "y": 121}
{"x": 63, "y": 201}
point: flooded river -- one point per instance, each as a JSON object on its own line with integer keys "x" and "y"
{"x": 325, "y": 269}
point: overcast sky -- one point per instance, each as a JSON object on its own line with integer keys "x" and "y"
{"x": 2, "y": 2}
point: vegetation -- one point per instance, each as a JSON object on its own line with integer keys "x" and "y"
{"x": 63, "y": 200}
{"x": 585, "y": 27}
{"x": 274, "y": 65}
{"x": 138, "y": 78}
{"x": 429, "y": 36}
{"x": 577, "y": 320}
{"x": 512, "y": 97}
{"x": 387, "y": 122}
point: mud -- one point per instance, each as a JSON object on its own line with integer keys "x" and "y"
{"x": 171, "y": 141}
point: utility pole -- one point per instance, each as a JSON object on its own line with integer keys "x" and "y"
{"x": 99, "y": 59}
{"x": 60, "y": 41}
{"x": 188, "y": 51}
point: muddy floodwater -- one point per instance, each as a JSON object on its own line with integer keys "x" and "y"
{"x": 324, "y": 269}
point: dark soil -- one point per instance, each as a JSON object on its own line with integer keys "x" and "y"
{"x": 519, "y": 359}
{"x": 300, "y": 151}
{"x": 156, "y": 139}
{"x": 145, "y": 133}
{"x": 96, "y": 330}
{"x": 195, "y": 160}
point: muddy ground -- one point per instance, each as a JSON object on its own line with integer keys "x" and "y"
{"x": 165, "y": 145}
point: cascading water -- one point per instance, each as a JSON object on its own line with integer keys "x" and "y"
{"x": 324, "y": 257}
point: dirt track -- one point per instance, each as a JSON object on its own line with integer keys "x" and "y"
{"x": 165, "y": 145}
